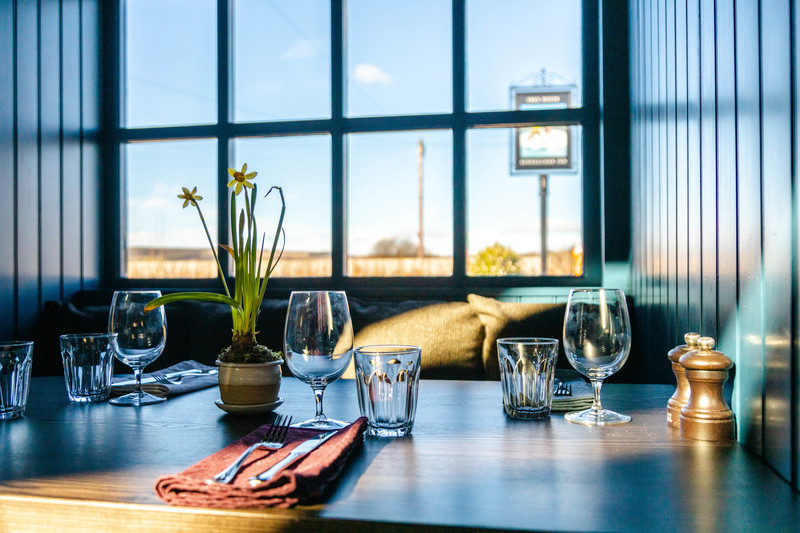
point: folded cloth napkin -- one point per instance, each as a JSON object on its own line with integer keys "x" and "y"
{"x": 582, "y": 394}
{"x": 189, "y": 382}
{"x": 303, "y": 481}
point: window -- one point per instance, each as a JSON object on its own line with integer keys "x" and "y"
{"x": 418, "y": 142}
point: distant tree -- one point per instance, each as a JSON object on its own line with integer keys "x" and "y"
{"x": 494, "y": 260}
{"x": 394, "y": 247}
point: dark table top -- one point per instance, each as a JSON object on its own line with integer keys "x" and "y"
{"x": 465, "y": 465}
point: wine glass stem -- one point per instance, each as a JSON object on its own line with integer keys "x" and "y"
{"x": 318, "y": 391}
{"x": 596, "y": 385}
{"x": 137, "y": 376}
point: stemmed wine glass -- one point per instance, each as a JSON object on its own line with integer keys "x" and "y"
{"x": 597, "y": 340}
{"x": 137, "y": 338}
{"x": 318, "y": 344}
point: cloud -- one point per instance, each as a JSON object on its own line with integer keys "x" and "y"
{"x": 303, "y": 49}
{"x": 370, "y": 74}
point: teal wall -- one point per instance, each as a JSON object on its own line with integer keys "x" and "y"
{"x": 49, "y": 159}
{"x": 714, "y": 141}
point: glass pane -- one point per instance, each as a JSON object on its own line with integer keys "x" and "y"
{"x": 504, "y": 216}
{"x": 301, "y": 166}
{"x": 171, "y": 62}
{"x": 282, "y": 52}
{"x": 394, "y": 228}
{"x": 162, "y": 240}
{"x": 521, "y": 43}
{"x": 398, "y": 57}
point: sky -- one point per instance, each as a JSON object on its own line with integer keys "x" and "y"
{"x": 398, "y": 62}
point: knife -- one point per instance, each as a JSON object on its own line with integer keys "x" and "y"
{"x": 169, "y": 375}
{"x": 295, "y": 454}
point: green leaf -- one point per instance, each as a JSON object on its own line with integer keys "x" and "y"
{"x": 200, "y": 296}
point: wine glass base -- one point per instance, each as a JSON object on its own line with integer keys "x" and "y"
{"x": 323, "y": 424}
{"x": 136, "y": 400}
{"x": 600, "y": 417}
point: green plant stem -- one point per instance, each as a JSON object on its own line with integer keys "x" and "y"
{"x": 213, "y": 250}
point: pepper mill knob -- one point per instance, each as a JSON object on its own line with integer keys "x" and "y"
{"x": 681, "y": 394}
{"x": 706, "y": 416}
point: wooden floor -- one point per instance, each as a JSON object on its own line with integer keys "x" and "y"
{"x": 72, "y": 467}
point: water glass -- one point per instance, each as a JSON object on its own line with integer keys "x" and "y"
{"x": 387, "y": 379}
{"x": 527, "y": 369}
{"x": 88, "y": 366}
{"x": 15, "y": 377}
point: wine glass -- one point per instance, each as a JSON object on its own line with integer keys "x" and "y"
{"x": 137, "y": 338}
{"x": 318, "y": 344}
{"x": 597, "y": 340}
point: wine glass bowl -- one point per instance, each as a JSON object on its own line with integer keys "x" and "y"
{"x": 318, "y": 344}
{"x": 137, "y": 338}
{"x": 597, "y": 341}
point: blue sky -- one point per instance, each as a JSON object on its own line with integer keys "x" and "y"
{"x": 398, "y": 62}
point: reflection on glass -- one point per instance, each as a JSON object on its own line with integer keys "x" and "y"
{"x": 504, "y": 214}
{"x": 281, "y": 60}
{"x": 400, "y": 204}
{"x": 512, "y": 43}
{"x": 162, "y": 240}
{"x": 399, "y": 56}
{"x": 171, "y": 62}
{"x": 301, "y": 166}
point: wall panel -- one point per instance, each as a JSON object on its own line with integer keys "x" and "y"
{"x": 7, "y": 260}
{"x": 727, "y": 163}
{"x": 49, "y": 108}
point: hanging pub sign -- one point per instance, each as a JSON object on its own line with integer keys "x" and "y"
{"x": 543, "y": 149}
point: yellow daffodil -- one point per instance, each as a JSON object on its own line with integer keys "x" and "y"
{"x": 240, "y": 179}
{"x": 190, "y": 197}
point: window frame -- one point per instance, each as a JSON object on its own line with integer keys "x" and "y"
{"x": 338, "y": 126}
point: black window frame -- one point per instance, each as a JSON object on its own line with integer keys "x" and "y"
{"x": 459, "y": 121}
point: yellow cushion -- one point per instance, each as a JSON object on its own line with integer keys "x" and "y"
{"x": 515, "y": 319}
{"x": 449, "y": 333}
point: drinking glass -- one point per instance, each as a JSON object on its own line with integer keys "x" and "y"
{"x": 137, "y": 338}
{"x": 318, "y": 344}
{"x": 16, "y": 358}
{"x": 597, "y": 340}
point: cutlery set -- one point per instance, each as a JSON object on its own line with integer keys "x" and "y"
{"x": 171, "y": 377}
{"x": 273, "y": 439}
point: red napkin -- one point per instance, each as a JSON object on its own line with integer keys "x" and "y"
{"x": 303, "y": 481}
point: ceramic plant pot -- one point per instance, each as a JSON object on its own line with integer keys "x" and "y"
{"x": 249, "y": 383}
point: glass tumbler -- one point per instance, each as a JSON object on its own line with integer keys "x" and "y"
{"x": 387, "y": 379}
{"x": 88, "y": 366}
{"x": 15, "y": 377}
{"x": 527, "y": 369}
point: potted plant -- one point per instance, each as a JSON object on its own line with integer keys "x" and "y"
{"x": 249, "y": 373}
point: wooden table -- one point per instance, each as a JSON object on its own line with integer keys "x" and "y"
{"x": 68, "y": 467}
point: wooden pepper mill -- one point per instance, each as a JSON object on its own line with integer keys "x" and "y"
{"x": 681, "y": 394}
{"x": 706, "y": 416}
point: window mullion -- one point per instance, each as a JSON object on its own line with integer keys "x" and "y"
{"x": 338, "y": 159}
{"x": 459, "y": 140}
{"x": 224, "y": 146}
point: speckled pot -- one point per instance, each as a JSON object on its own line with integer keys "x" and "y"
{"x": 249, "y": 383}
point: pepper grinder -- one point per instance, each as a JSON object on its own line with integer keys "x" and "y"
{"x": 706, "y": 416}
{"x": 681, "y": 394}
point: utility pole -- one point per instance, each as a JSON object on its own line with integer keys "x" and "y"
{"x": 543, "y": 220}
{"x": 420, "y": 158}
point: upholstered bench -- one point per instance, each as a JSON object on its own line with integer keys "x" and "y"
{"x": 458, "y": 338}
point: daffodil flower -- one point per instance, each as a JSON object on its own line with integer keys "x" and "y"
{"x": 240, "y": 179}
{"x": 190, "y": 197}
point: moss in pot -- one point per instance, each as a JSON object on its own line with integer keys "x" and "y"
{"x": 249, "y": 373}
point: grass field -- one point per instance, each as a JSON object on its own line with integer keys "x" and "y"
{"x": 162, "y": 263}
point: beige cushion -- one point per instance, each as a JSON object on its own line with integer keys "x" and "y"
{"x": 514, "y": 319}
{"x": 450, "y": 335}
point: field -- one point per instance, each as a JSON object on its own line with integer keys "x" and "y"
{"x": 162, "y": 263}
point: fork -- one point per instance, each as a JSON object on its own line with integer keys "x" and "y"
{"x": 164, "y": 380}
{"x": 563, "y": 389}
{"x": 273, "y": 439}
